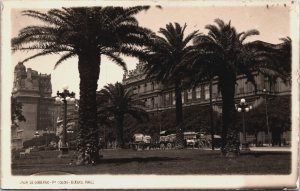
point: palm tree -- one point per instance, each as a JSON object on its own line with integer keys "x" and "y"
{"x": 87, "y": 33}
{"x": 119, "y": 101}
{"x": 164, "y": 58}
{"x": 224, "y": 53}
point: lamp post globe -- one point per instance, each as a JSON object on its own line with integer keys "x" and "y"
{"x": 243, "y": 100}
{"x": 57, "y": 99}
{"x": 68, "y": 98}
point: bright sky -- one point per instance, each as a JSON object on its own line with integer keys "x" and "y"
{"x": 272, "y": 22}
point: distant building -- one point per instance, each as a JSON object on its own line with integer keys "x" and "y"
{"x": 41, "y": 111}
{"x": 159, "y": 97}
{"x": 34, "y": 91}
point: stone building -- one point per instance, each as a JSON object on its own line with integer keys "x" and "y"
{"x": 34, "y": 91}
{"x": 160, "y": 97}
{"x": 41, "y": 111}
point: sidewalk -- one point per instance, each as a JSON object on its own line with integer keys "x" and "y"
{"x": 272, "y": 149}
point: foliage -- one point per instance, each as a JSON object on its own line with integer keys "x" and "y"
{"x": 195, "y": 119}
{"x": 116, "y": 101}
{"x": 16, "y": 112}
{"x": 279, "y": 112}
{"x": 41, "y": 140}
{"x": 224, "y": 53}
{"x": 87, "y": 33}
{"x": 164, "y": 55}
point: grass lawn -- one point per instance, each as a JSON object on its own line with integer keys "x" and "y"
{"x": 161, "y": 162}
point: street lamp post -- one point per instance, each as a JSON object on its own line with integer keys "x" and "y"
{"x": 65, "y": 97}
{"x": 243, "y": 107}
{"x": 267, "y": 116}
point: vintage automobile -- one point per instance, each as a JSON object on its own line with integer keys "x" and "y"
{"x": 192, "y": 139}
{"x": 140, "y": 141}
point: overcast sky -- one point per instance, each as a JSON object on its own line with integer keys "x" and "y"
{"x": 273, "y": 22}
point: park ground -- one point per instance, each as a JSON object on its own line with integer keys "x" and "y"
{"x": 162, "y": 162}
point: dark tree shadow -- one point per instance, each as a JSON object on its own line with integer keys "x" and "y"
{"x": 137, "y": 159}
{"x": 260, "y": 153}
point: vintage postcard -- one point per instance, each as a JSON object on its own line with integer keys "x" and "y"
{"x": 149, "y": 94}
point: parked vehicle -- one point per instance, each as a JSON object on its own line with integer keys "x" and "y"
{"x": 167, "y": 139}
{"x": 140, "y": 141}
{"x": 217, "y": 140}
{"x": 192, "y": 139}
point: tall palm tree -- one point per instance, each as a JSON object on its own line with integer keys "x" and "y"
{"x": 166, "y": 60}
{"x": 87, "y": 33}
{"x": 224, "y": 53}
{"x": 119, "y": 101}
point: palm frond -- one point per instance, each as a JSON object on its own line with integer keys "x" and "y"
{"x": 64, "y": 58}
{"x": 116, "y": 59}
{"x": 248, "y": 33}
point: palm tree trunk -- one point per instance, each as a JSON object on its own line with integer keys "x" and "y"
{"x": 89, "y": 70}
{"x": 120, "y": 120}
{"x": 179, "y": 118}
{"x": 230, "y": 133}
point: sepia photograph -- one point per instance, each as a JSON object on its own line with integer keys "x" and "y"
{"x": 149, "y": 94}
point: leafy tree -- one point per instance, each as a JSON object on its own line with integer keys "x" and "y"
{"x": 89, "y": 34}
{"x": 224, "y": 53}
{"x": 166, "y": 120}
{"x": 117, "y": 101}
{"x": 279, "y": 112}
{"x": 16, "y": 112}
{"x": 164, "y": 56}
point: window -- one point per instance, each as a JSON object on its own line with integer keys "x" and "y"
{"x": 182, "y": 97}
{"x": 152, "y": 102}
{"x": 198, "y": 92}
{"x": 167, "y": 99}
{"x": 242, "y": 90}
{"x": 206, "y": 91}
{"x": 173, "y": 98}
{"x": 138, "y": 89}
{"x": 145, "y": 87}
{"x": 152, "y": 85}
{"x": 190, "y": 94}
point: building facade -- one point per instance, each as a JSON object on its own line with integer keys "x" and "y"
{"x": 160, "y": 97}
{"x": 33, "y": 90}
{"x": 39, "y": 108}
